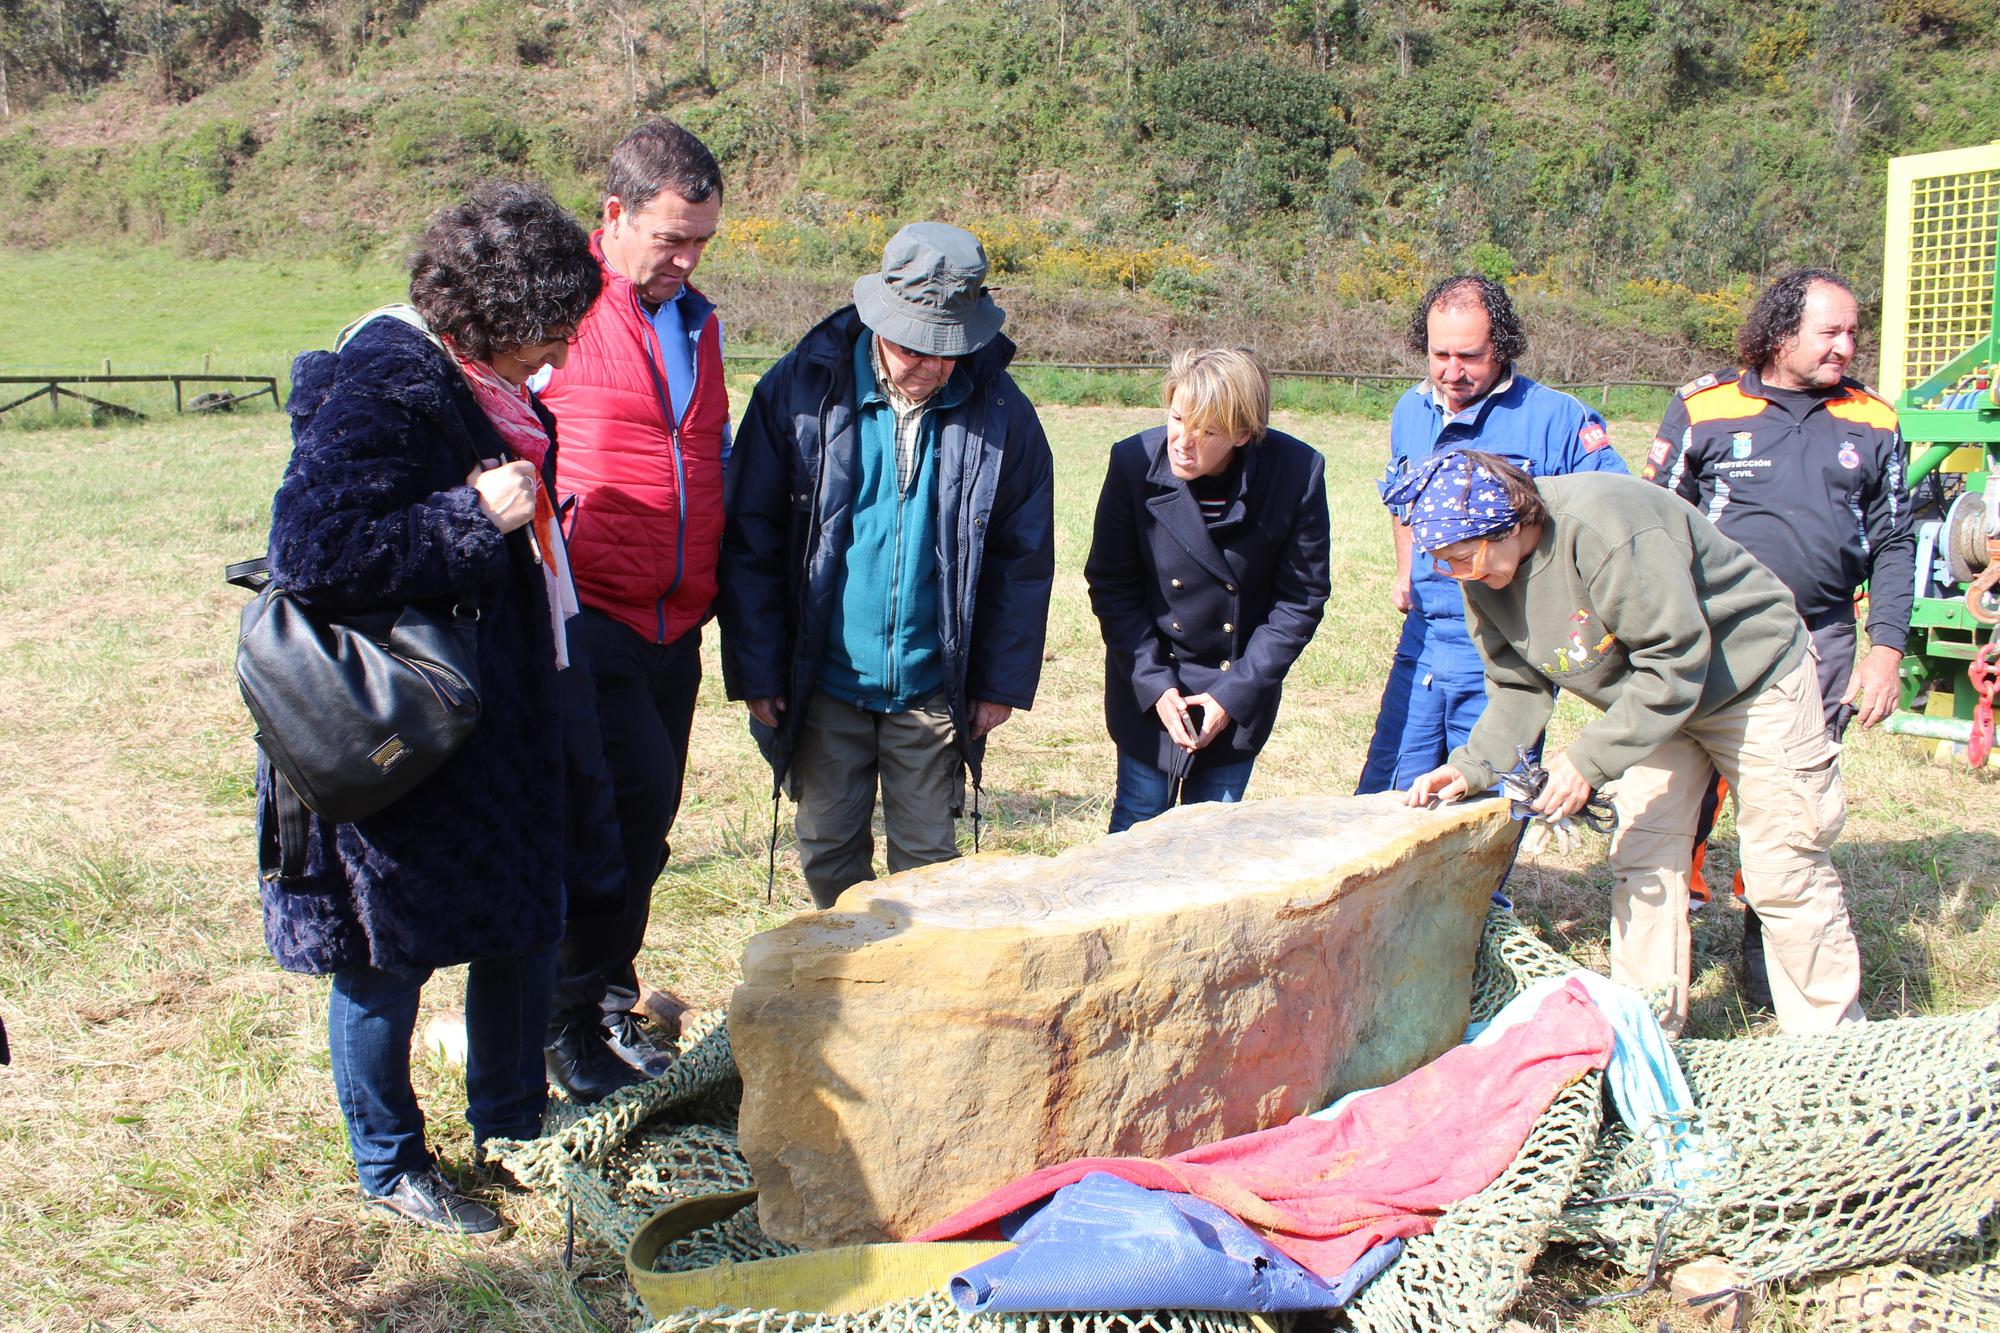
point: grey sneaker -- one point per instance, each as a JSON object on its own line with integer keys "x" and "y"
{"x": 429, "y": 1200}
{"x": 628, "y": 1039}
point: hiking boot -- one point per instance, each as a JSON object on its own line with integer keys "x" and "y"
{"x": 581, "y": 1065}
{"x": 427, "y": 1199}
{"x": 626, "y": 1037}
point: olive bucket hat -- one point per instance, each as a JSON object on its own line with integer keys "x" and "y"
{"x": 930, "y": 295}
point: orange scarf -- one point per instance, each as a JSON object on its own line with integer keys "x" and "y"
{"x": 510, "y": 408}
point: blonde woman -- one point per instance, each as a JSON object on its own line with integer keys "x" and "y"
{"x": 1208, "y": 574}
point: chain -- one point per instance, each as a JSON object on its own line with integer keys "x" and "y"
{"x": 1984, "y": 673}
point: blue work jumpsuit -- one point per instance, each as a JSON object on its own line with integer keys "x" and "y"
{"x": 1437, "y": 684}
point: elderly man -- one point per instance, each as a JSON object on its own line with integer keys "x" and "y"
{"x": 887, "y": 564}
{"x": 1804, "y": 467}
{"x": 1473, "y": 398}
{"x": 643, "y": 418}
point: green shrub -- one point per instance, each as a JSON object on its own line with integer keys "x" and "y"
{"x": 1489, "y": 260}
{"x": 469, "y": 139}
{"x": 175, "y": 180}
{"x": 1186, "y": 291}
{"x": 1243, "y": 130}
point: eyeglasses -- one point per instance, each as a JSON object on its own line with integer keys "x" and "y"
{"x": 1475, "y": 564}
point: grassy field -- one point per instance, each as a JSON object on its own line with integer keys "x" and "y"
{"x": 166, "y": 313}
{"x": 170, "y": 1153}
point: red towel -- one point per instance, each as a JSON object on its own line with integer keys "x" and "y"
{"x": 1327, "y": 1191}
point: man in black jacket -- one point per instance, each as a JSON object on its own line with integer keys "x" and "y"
{"x": 1805, "y": 468}
{"x": 887, "y": 560}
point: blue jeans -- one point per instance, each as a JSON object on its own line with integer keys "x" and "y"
{"x": 370, "y": 1018}
{"x": 1142, "y": 788}
{"x": 1436, "y": 691}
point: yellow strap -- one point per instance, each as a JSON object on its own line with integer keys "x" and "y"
{"x": 846, "y": 1280}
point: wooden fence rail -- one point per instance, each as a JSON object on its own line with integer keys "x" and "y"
{"x": 51, "y": 387}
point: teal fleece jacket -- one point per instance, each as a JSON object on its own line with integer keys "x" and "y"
{"x": 1633, "y": 602}
{"x": 884, "y": 652}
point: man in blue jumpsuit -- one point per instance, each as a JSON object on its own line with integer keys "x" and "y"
{"x": 1473, "y": 398}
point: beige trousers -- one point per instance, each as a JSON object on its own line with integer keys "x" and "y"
{"x": 1784, "y": 776}
{"x": 842, "y": 752}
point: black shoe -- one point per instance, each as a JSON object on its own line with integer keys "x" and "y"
{"x": 582, "y": 1067}
{"x": 628, "y": 1039}
{"x": 1756, "y": 972}
{"x": 428, "y": 1199}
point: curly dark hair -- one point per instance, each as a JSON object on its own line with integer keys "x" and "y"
{"x": 1462, "y": 290}
{"x": 1778, "y": 314}
{"x": 660, "y": 155}
{"x": 503, "y": 270}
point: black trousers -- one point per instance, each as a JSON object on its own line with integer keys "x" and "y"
{"x": 645, "y": 710}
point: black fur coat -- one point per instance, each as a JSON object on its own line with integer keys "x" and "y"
{"x": 374, "y": 511}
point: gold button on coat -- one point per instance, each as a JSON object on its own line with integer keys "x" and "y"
{"x": 1225, "y": 666}
{"x": 1228, "y": 628}
{"x": 1176, "y": 582}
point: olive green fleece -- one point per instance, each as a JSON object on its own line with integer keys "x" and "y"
{"x": 1633, "y": 602}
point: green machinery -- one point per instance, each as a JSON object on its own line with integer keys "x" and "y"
{"x": 1940, "y": 355}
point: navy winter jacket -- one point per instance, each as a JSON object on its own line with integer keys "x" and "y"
{"x": 1222, "y": 611}
{"x": 789, "y": 495}
{"x": 374, "y": 511}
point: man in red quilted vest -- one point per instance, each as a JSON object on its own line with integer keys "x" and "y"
{"x": 643, "y": 421}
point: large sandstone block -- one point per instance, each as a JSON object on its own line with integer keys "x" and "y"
{"x": 1213, "y": 972}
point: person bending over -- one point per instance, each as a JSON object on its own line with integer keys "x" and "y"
{"x": 1621, "y": 594}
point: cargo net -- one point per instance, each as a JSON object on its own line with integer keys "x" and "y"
{"x": 1869, "y": 1145}
{"x": 1876, "y": 1146}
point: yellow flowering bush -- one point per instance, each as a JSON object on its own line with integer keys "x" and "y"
{"x": 1128, "y": 268}
{"x": 1381, "y": 271}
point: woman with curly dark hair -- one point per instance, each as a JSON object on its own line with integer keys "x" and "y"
{"x": 418, "y": 474}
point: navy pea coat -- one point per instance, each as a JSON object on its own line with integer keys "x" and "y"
{"x": 374, "y": 511}
{"x": 1222, "y": 611}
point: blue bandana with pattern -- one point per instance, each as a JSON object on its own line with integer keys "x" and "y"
{"x": 1448, "y": 499}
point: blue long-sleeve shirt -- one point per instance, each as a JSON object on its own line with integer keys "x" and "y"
{"x": 1543, "y": 431}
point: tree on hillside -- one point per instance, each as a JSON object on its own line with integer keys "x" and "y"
{"x": 1672, "y": 63}
{"x": 1850, "y": 68}
{"x": 1318, "y": 25}
{"x": 50, "y": 46}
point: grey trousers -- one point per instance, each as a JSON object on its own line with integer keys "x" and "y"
{"x": 841, "y": 752}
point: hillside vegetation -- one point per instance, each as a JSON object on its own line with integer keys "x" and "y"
{"x": 1287, "y": 172}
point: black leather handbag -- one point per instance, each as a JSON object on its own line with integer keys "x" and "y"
{"x": 352, "y": 710}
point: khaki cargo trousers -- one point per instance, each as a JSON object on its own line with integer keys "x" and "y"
{"x": 1784, "y": 775}
{"x": 842, "y": 752}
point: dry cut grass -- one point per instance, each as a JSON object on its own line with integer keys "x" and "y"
{"x": 170, "y": 1152}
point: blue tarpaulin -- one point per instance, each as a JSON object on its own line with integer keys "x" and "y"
{"x": 1106, "y": 1244}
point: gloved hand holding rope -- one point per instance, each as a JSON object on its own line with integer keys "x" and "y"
{"x": 1554, "y": 800}
{"x": 1554, "y": 807}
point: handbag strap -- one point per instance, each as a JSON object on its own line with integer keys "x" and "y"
{"x": 1178, "y": 765}
{"x": 281, "y": 852}
{"x": 253, "y": 575}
